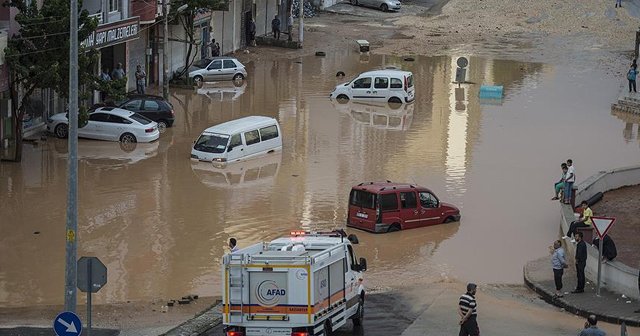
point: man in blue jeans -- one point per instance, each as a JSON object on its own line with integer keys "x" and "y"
{"x": 568, "y": 182}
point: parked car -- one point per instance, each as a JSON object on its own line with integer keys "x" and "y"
{"x": 153, "y": 107}
{"x": 109, "y": 123}
{"x": 216, "y": 69}
{"x": 388, "y": 207}
{"x": 238, "y": 139}
{"x": 383, "y": 5}
{"x": 389, "y": 85}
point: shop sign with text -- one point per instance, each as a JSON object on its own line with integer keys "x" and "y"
{"x": 113, "y": 33}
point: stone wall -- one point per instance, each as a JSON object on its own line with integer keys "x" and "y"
{"x": 616, "y": 276}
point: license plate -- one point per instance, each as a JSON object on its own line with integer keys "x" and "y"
{"x": 362, "y": 215}
{"x": 268, "y": 331}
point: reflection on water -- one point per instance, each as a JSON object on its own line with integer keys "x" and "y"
{"x": 630, "y": 119}
{"x": 160, "y": 221}
{"x": 223, "y": 91}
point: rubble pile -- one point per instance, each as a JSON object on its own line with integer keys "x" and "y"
{"x": 309, "y": 10}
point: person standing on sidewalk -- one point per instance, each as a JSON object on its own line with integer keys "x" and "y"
{"x": 467, "y": 310}
{"x": 591, "y": 328}
{"x": 141, "y": 79}
{"x": 631, "y": 76}
{"x": 581, "y": 263}
{"x": 618, "y": 3}
{"x": 558, "y": 263}
{"x": 568, "y": 182}
{"x": 275, "y": 27}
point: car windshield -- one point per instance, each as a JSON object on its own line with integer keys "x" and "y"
{"x": 212, "y": 143}
{"x": 203, "y": 63}
{"x": 140, "y": 118}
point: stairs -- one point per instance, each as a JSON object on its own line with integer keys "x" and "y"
{"x": 629, "y": 103}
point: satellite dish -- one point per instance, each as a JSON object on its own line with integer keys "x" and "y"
{"x": 462, "y": 62}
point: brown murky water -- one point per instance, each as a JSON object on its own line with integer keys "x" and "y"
{"x": 160, "y": 222}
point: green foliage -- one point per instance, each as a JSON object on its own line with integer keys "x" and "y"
{"x": 115, "y": 89}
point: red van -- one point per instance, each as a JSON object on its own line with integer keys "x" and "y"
{"x": 387, "y": 207}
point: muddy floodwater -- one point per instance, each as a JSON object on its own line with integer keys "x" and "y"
{"x": 160, "y": 222}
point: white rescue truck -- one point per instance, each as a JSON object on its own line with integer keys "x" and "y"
{"x": 303, "y": 285}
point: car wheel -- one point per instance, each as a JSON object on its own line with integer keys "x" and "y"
{"x": 128, "y": 138}
{"x": 61, "y": 131}
{"x": 162, "y": 125}
{"x": 394, "y": 227}
{"x": 448, "y": 219}
{"x": 342, "y": 99}
{"x": 384, "y": 7}
{"x": 395, "y": 100}
{"x": 198, "y": 79}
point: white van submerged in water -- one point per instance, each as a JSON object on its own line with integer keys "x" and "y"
{"x": 238, "y": 139}
{"x": 389, "y": 85}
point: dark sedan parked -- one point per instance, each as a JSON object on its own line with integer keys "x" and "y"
{"x": 150, "y": 106}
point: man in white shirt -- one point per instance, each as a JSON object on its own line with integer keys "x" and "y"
{"x": 568, "y": 182}
{"x": 233, "y": 245}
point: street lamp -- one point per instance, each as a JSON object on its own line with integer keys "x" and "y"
{"x": 165, "y": 47}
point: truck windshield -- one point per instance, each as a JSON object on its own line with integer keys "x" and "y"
{"x": 362, "y": 199}
{"x": 212, "y": 143}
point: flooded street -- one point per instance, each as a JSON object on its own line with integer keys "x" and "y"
{"x": 160, "y": 221}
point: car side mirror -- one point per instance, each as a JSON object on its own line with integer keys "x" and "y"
{"x": 363, "y": 264}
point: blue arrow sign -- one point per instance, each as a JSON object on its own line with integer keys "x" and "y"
{"x": 67, "y": 324}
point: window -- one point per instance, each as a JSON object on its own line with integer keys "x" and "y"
{"x": 410, "y": 81}
{"x": 202, "y": 63}
{"x": 118, "y": 120}
{"x": 251, "y": 137}
{"x": 396, "y": 83}
{"x": 151, "y": 105}
{"x": 228, "y": 64}
{"x": 211, "y": 143}
{"x": 132, "y": 105}
{"x": 381, "y": 83}
{"x": 236, "y": 141}
{"x": 362, "y": 199}
{"x": 215, "y": 65}
{"x": 268, "y": 133}
{"x": 428, "y": 200}
{"x": 140, "y": 118}
{"x": 102, "y": 117}
{"x": 114, "y": 5}
{"x": 362, "y": 83}
{"x": 388, "y": 202}
{"x": 408, "y": 200}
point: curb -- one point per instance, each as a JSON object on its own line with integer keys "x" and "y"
{"x": 559, "y": 302}
{"x": 206, "y": 320}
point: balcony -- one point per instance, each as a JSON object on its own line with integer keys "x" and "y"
{"x": 146, "y": 9}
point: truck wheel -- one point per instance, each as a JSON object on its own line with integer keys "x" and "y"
{"x": 358, "y": 318}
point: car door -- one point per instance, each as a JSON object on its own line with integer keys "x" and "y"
{"x": 429, "y": 209}
{"x": 151, "y": 109}
{"x": 235, "y": 149}
{"x": 361, "y": 89}
{"x": 92, "y": 130}
{"x": 229, "y": 69}
{"x": 380, "y": 91}
{"x": 409, "y": 209}
{"x": 114, "y": 127}
{"x": 252, "y": 142}
{"x": 214, "y": 71}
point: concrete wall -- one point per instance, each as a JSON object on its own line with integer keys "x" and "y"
{"x": 226, "y": 27}
{"x": 616, "y": 276}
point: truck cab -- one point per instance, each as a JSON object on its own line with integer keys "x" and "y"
{"x": 308, "y": 283}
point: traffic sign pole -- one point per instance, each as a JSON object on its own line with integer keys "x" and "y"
{"x": 602, "y": 226}
{"x": 599, "y": 264}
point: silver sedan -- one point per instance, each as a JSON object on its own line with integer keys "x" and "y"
{"x": 383, "y": 5}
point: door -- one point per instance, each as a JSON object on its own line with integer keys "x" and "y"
{"x": 229, "y": 69}
{"x": 351, "y": 277}
{"x": 380, "y": 91}
{"x": 409, "y": 209}
{"x": 361, "y": 89}
{"x": 151, "y": 109}
{"x": 235, "y": 149}
{"x": 252, "y": 141}
{"x": 214, "y": 71}
{"x": 429, "y": 209}
{"x": 114, "y": 127}
{"x": 93, "y": 129}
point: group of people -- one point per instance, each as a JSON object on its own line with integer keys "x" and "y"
{"x": 275, "y": 29}
{"x": 564, "y": 187}
{"x": 119, "y": 73}
{"x": 214, "y": 47}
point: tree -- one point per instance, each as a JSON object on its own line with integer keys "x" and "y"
{"x": 38, "y": 55}
{"x": 187, "y": 20}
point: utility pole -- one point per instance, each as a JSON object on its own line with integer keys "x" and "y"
{"x": 71, "y": 245}
{"x": 301, "y": 14}
{"x": 165, "y": 52}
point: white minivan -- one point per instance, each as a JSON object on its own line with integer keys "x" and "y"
{"x": 389, "y": 85}
{"x": 238, "y": 139}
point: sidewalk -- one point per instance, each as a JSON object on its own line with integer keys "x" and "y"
{"x": 609, "y": 307}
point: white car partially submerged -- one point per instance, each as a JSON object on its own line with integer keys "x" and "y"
{"x": 389, "y": 85}
{"x": 108, "y": 123}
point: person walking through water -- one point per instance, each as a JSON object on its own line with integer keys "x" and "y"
{"x": 631, "y": 77}
{"x": 467, "y": 309}
{"x": 275, "y": 27}
{"x": 558, "y": 264}
{"x": 141, "y": 79}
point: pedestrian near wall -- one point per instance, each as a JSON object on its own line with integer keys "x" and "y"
{"x": 118, "y": 72}
{"x": 569, "y": 181}
{"x": 467, "y": 309}
{"x": 558, "y": 264}
{"x": 591, "y": 328}
{"x": 141, "y": 79}
{"x": 609, "y": 250}
{"x": 584, "y": 221}
{"x": 275, "y": 27}
{"x": 631, "y": 77}
{"x": 559, "y": 186}
{"x": 618, "y": 3}
{"x": 581, "y": 263}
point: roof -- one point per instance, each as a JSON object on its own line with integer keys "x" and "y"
{"x": 115, "y": 111}
{"x": 237, "y": 125}
{"x": 386, "y": 72}
{"x": 375, "y": 187}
